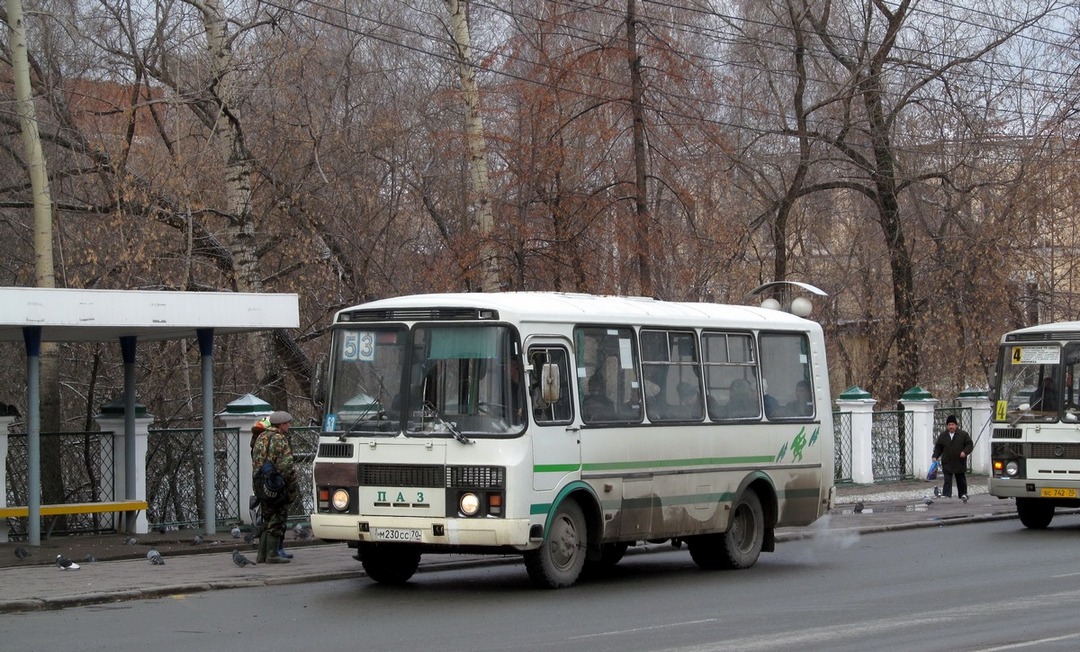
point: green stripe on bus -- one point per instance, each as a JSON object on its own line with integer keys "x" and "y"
{"x": 555, "y": 468}
{"x": 651, "y": 464}
{"x": 659, "y": 464}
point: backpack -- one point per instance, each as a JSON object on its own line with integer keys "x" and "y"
{"x": 270, "y": 486}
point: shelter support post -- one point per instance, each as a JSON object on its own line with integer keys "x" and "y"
{"x": 206, "y": 349}
{"x": 32, "y": 339}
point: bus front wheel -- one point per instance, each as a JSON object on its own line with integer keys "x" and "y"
{"x": 558, "y": 562}
{"x": 389, "y": 564}
{"x": 1035, "y": 513}
{"x": 740, "y": 546}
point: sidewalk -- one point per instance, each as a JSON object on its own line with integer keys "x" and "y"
{"x": 122, "y": 571}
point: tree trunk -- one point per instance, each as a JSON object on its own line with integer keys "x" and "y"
{"x": 477, "y": 146}
{"x": 641, "y": 206}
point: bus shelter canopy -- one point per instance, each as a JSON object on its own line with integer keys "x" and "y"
{"x": 65, "y": 315}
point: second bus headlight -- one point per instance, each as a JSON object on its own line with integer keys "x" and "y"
{"x": 340, "y": 500}
{"x": 1012, "y": 468}
{"x": 469, "y": 504}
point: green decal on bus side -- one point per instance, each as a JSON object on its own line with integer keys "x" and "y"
{"x": 797, "y": 445}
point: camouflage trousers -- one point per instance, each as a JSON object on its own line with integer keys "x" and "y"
{"x": 274, "y": 519}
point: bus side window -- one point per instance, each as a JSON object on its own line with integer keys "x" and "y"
{"x": 785, "y": 361}
{"x": 732, "y": 390}
{"x": 608, "y": 383}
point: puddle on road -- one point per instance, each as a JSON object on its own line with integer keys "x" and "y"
{"x": 884, "y": 509}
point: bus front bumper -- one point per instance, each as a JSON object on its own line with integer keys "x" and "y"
{"x": 450, "y": 532}
{"x": 1062, "y": 490}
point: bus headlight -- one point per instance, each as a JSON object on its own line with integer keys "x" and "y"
{"x": 469, "y": 504}
{"x": 1012, "y": 468}
{"x": 340, "y": 500}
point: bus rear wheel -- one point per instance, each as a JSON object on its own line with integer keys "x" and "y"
{"x": 389, "y": 564}
{"x": 558, "y": 562}
{"x": 740, "y": 546}
{"x": 1035, "y": 513}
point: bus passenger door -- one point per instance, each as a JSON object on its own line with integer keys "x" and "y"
{"x": 556, "y": 442}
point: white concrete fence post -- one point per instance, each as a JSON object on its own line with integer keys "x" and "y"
{"x": 242, "y": 414}
{"x": 978, "y": 400}
{"x": 111, "y": 419}
{"x": 861, "y": 406}
{"x": 921, "y": 404}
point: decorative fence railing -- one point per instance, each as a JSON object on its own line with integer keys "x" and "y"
{"x": 892, "y": 442}
{"x": 76, "y": 467}
{"x": 842, "y": 439}
{"x": 79, "y": 467}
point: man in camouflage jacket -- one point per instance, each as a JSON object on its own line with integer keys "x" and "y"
{"x": 272, "y": 445}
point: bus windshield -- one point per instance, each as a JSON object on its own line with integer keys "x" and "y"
{"x": 365, "y": 386}
{"x": 1037, "y": 383}
{"x": 465, "y": 378}
{"x": 460, "y": 380}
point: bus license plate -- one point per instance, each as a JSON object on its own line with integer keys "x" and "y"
{"x": 1055, "y": 492}
{"x": 397, "y": 534}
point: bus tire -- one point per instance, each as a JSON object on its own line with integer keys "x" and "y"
{"x": 557, "y": 563}
{"x": 389, "y": 564}
{"x": 1035, "y": 513}
{"x": 740, "y": 546}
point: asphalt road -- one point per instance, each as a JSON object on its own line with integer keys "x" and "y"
{"x": 990, "y": 585}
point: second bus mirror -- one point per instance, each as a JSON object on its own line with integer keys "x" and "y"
{"x": 549, "y": 383}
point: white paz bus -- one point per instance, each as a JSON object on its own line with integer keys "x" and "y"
{"x": 1035, "y": 444}
{"x": 567, "y": 428}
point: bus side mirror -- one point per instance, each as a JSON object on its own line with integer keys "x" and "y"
{"x": 549, "y": 383}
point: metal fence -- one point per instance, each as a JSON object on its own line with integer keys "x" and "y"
{"x": 80, "y": 467}
{"x": 891, "y": 443}
{"x": 76, "y": 467}
{"x": 842, "y": 438}
{"x": 174, "y": 477}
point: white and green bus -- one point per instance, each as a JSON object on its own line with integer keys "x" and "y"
{"x": 567, "y": 428}
{"x": 1035, "y": 439}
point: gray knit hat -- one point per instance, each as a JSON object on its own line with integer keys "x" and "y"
{"x": 280, "y": 417}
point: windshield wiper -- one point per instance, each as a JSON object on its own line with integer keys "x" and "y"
{"x": 449, "y": 426}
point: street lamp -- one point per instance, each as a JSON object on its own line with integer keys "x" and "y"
{"x": 783, "y": 299}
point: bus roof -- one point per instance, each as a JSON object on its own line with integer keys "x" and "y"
{"x": 562, "y": 307}
{"x": 1064, "y": 329}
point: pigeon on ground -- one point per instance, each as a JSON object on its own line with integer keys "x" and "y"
{"x": 240, "y": 560}
{"x": 90, "y": 559}
{"x": 131, "y": 541}
{"x": 929, "y": 500}
{"x": 249, "y": 538}
{"x": 858, "y": 507}
{"x": 197, "y": 539}
{"x": 66, "y": 564}
{"x": 160, "y": 528}
{"x": 22, "y": 553}
{"x": 155, "y": 557}
{"x": 937, "y": 492}
{"x": 302, "y": 531}
{"x": 235, "y": 532}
